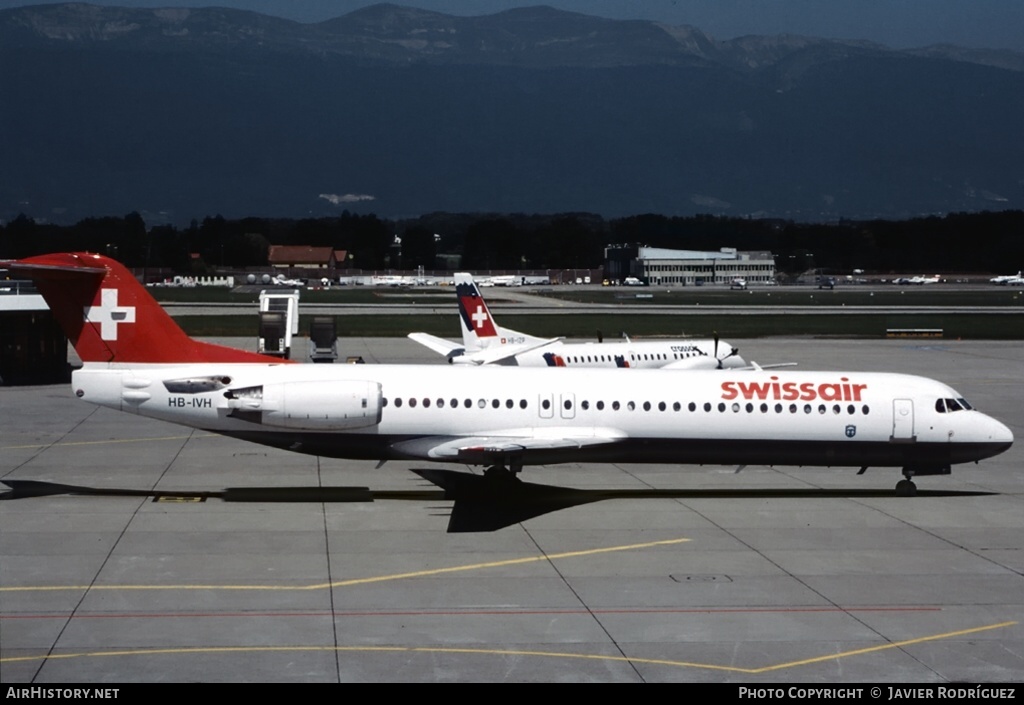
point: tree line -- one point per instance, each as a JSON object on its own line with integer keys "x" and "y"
{"x": 957, "y": 242}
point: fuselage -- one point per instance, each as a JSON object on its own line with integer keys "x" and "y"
{"x": 714, "y": 417}
{"x": 641, "y": 355}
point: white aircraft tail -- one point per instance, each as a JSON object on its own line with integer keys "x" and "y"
{"x": 479, "y": 330}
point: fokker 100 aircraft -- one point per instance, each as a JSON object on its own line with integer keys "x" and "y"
{"x": 485, "y": 342}
{"x": 136, "y": 359}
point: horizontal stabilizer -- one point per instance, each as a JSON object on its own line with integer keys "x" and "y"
{"x": 438, "y": 345}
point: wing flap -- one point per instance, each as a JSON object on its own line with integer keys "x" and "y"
{"x": 496, "y": 446}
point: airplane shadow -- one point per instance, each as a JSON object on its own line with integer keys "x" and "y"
{"x": 480, "y": 503}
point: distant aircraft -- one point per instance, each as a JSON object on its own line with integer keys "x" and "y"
{"x": 485, "y": 342}
{"x": 919, "y": 279}
{"x": 137, "y": 360}
{"x": 282, "y": 280}
{"x": 1011, "y": 279}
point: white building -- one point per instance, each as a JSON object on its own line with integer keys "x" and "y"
{"x": 663, "y": 267}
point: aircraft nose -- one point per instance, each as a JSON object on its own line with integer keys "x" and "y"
{"x": 997, "y": 433}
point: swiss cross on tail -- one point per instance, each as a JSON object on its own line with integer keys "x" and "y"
{"x": 108, "y": 314}
{"x": 110, "y": 317}
{"x": 474, "y": 311}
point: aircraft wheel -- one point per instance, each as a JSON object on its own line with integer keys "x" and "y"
{"x": 906, "y": 488}
{"x": 499, "y": 473}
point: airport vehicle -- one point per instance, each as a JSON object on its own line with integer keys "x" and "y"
{"x": 137, "y": 360}
{"x": 507, "y": 280}
{"x": 738, "y": 283}
{"x": 632, "y": 281}
{"x": 485, "y": 342}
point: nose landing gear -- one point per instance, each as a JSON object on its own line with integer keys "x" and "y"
{"x": 907, "y": 488}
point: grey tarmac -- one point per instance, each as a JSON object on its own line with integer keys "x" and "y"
{"x": 766, "y": 576}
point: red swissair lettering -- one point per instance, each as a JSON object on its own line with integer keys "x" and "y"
{"x": 793, "y": 391}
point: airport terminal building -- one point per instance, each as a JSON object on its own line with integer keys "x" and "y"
{"x": 664, "y": 267}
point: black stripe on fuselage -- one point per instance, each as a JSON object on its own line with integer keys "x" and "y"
{"x": 850, "y": 453}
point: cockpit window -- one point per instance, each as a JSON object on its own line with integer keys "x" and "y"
{"x": 950, "y": 405}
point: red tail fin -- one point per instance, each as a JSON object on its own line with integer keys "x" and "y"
{"x": 110, "y": 317}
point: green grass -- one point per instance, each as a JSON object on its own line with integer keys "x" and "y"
{"x": 627, "y": 296}
{"x": 586, "y": 325}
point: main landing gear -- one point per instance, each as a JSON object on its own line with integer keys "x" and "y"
{"x": 504, "y": 472}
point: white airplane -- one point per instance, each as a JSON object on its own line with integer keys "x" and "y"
{"x": 485, "y": 342}
{"x": 282, "y": 280}
{"x": 1008, "y": 279}
{"x": 137, "y": 360}
{"x": 919, "y": 279}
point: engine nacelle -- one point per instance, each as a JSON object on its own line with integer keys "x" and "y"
{"x": 316, "y": 406}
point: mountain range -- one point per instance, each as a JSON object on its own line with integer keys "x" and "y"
{"x": 180, "y": 113}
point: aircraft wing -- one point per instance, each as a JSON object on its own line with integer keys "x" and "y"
{"x": 438, "y": 345}
{"x": 497, "y": 446}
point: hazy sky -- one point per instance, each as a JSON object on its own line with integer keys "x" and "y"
{"x": 993, "y": 24}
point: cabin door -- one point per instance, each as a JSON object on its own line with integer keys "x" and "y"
{"x": 902, "y": 420}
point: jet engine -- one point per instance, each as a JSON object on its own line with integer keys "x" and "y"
{"x": 317, "y": 406}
